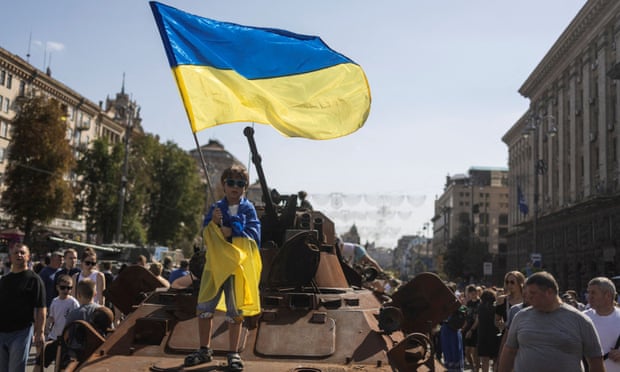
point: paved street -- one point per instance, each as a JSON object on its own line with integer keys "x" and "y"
{"x": 31, "y": 359}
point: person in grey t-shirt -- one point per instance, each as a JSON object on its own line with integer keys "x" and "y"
{"x": 549, "y": 335}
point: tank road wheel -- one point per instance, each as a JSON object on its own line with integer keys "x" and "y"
{"x": 414, "y": 351}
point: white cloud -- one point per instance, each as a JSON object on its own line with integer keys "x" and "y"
{"x": 49, "y": 46}
{"x": 53, "y": 46}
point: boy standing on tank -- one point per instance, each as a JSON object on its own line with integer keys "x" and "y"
{"x": 233, "y": 265}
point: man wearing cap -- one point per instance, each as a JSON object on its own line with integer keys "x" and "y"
{"x": 48, "y": 274}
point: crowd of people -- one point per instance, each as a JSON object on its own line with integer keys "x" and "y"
{"x": 40, "y": 300}
{"x": 529, "y": 325}
{"x": 41, "y": 297}
{"x": 526, "y": 325}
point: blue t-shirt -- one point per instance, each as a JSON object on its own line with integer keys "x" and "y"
{"x": 176, "y": 274}
{"x": 48, "y": 275}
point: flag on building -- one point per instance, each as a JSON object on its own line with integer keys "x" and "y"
{"x": 521, "y": 200}
{"x": 232, "y": 73}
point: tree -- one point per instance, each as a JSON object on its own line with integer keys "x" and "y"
{"x": 164, "y": 199}
{"x": 99, "y": 174}
{"x": 177, "y": 208}
{"x": 39, "y": 159}
{"x": 465, "y": 255}
{"x": 455, "y": 253}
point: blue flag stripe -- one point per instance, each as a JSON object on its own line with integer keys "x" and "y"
{"x": 253, "y": 52}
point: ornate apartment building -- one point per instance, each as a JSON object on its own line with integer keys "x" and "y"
{"x": 85, "y": 119}
{"x": 480, "y": 197}
{"x": 563, "y": 154}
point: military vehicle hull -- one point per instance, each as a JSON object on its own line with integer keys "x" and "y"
{"x": 318, "y": 314}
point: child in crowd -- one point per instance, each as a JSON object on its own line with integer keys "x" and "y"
{"x": 85, "y": 295}
{"x": 61, "y": 306}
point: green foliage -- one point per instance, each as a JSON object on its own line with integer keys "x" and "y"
{"x": 465, "y": 255}
{"x": 100, "y": 171}
{"x": 164, "y": 199}
{"x": 39, "y": 159}
{"x": 176, "y": 210}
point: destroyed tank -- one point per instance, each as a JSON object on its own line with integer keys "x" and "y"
{"x": 318, "y": 314}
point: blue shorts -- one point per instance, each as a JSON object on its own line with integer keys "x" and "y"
{"x": 207, "y": 309}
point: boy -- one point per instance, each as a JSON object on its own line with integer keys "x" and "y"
{"x": 61, "y": 306}
{"x": 85, "y": 292}
{"x": 232, "y": 237}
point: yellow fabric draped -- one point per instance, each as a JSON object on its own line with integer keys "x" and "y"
{"x": 240, "y": 258}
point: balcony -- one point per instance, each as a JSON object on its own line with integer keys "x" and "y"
{"x": 84, "y": 125}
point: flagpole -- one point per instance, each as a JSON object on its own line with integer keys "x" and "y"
{"x": 204, "y": 167}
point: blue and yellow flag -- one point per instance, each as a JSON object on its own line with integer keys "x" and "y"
{"x": 232, "y": 73}
{"x": 240, "y": 258}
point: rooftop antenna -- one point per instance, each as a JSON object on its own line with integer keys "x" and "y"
{"x": 29, "y": 45}
{"x": 48, "y": 70}
{"x": 123, "y": 86}
{"x": 45, "y": 56}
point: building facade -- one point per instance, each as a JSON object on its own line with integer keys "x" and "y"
{"x": 563, "y": 154}
{"x": 86, "y": 120}
{"x": 217, "y": 159}
{"x": 413, "y": 255}
{"x": 479, "y": 198}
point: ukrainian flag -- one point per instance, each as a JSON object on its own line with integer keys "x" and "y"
{"x": 239, "y": 258}
{"x": 232, "y": 73}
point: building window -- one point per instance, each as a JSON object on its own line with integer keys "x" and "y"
{"x": 6, "y": 104}
{"x": 2, "y": 77}
{"x": 484, "y": 218}
{"x": 503, "y": 231}
{"x": 9, "y": 81}
{"x": 483, "y": 231}
{"x": 2, "y": 154}
{"x": 4, "y": 129}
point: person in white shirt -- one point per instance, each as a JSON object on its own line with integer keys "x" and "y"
{"x": 606, "y": 318}
{"x": 57, "y": 318}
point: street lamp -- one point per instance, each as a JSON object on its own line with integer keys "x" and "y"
{"x": 130, "y": 112}
{"x": 535, "y": 124}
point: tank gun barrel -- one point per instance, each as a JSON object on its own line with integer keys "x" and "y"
{"x": 74, "y": 242}
{"x": 270, "y": 210}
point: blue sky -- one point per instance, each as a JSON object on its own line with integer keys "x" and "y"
{"x": 444, "y": 77}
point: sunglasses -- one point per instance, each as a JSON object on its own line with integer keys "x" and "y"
{"x": 231, "y": 183}
{"x": 510, "y": 282}
{"x": 65, "y": 287}
{"x": 89, "y": 263}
